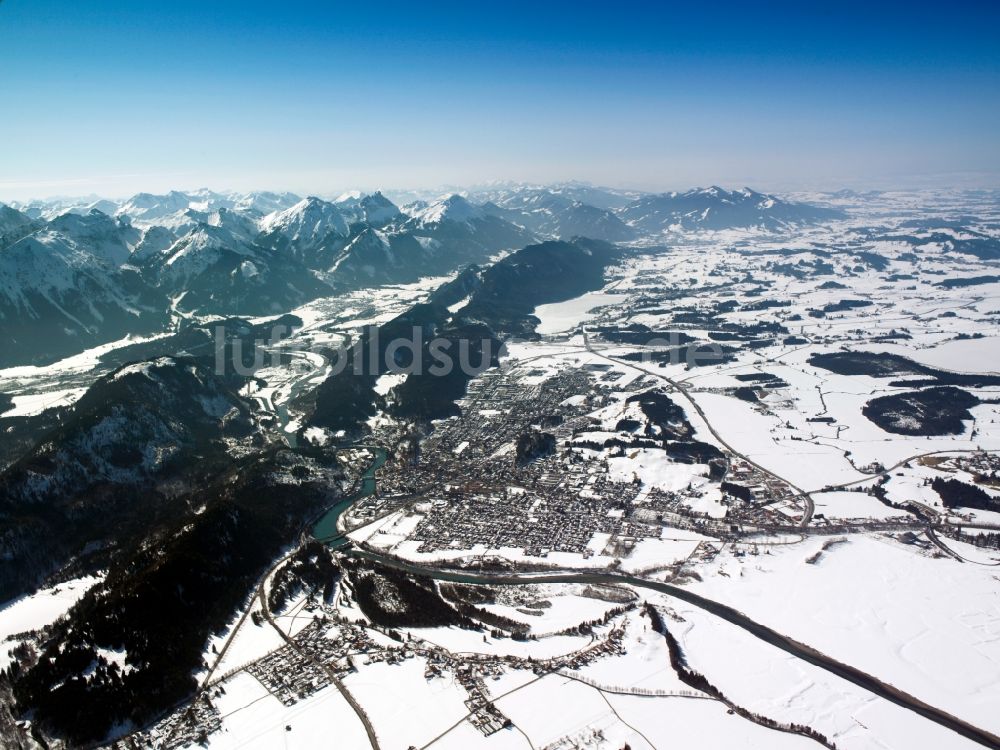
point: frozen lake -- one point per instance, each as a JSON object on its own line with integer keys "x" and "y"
{"x": 563, "y": 316}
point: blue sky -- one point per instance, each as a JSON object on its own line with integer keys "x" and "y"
{"x": 115, "y": 97}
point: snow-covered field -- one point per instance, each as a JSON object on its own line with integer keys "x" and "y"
{"x": 857, "y": 505}
{"x": 253, "y": 718}
{"x": 772, "y": 683}
{"x": 408, "y": 709}
{"x": 929, "y": 625}
{"x": 38, "y": 610}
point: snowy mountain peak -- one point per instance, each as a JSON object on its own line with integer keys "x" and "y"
{"x": 451, "y": 208}
{"x": 14, "y": 224}
{"x": 309, "y": 223}
{"x": 199, "y": 249}
{"x": 351, "y": 197}
{"x": 377, "y": 210}
{"x": 96, "y": 232}
{"x": 236, "y": 222}
{"x": 148, "y": 207}
{"x": 265, "y": 202}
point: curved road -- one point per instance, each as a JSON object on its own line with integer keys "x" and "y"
{"x": 807, "y": 513}
{"x": 795, "y": 648}
{"x": 266, "y": 611}
{"x": 889, "y": 469}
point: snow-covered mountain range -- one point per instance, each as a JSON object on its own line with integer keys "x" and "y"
{"x": 717, "y": 208}
{"x": 75, "y": 273}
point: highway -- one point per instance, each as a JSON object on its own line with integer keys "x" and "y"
{"x": 795, "y": 648}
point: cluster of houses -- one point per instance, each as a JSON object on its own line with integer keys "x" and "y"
{"x": 291, "y": 674}
{"x": 556, "y": 502}
{"x": 185, "y": 727}
{"x": 759, "y": 498}
{"x": 979, "y": 464}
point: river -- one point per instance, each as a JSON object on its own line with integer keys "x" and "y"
{"x": 325, "y": 530}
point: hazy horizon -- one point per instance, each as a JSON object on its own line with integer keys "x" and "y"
{"x": 409, "y": 193}
{"x": 120, "y": 99}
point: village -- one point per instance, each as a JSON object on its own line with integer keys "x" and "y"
{"x": 333, "y": 645}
